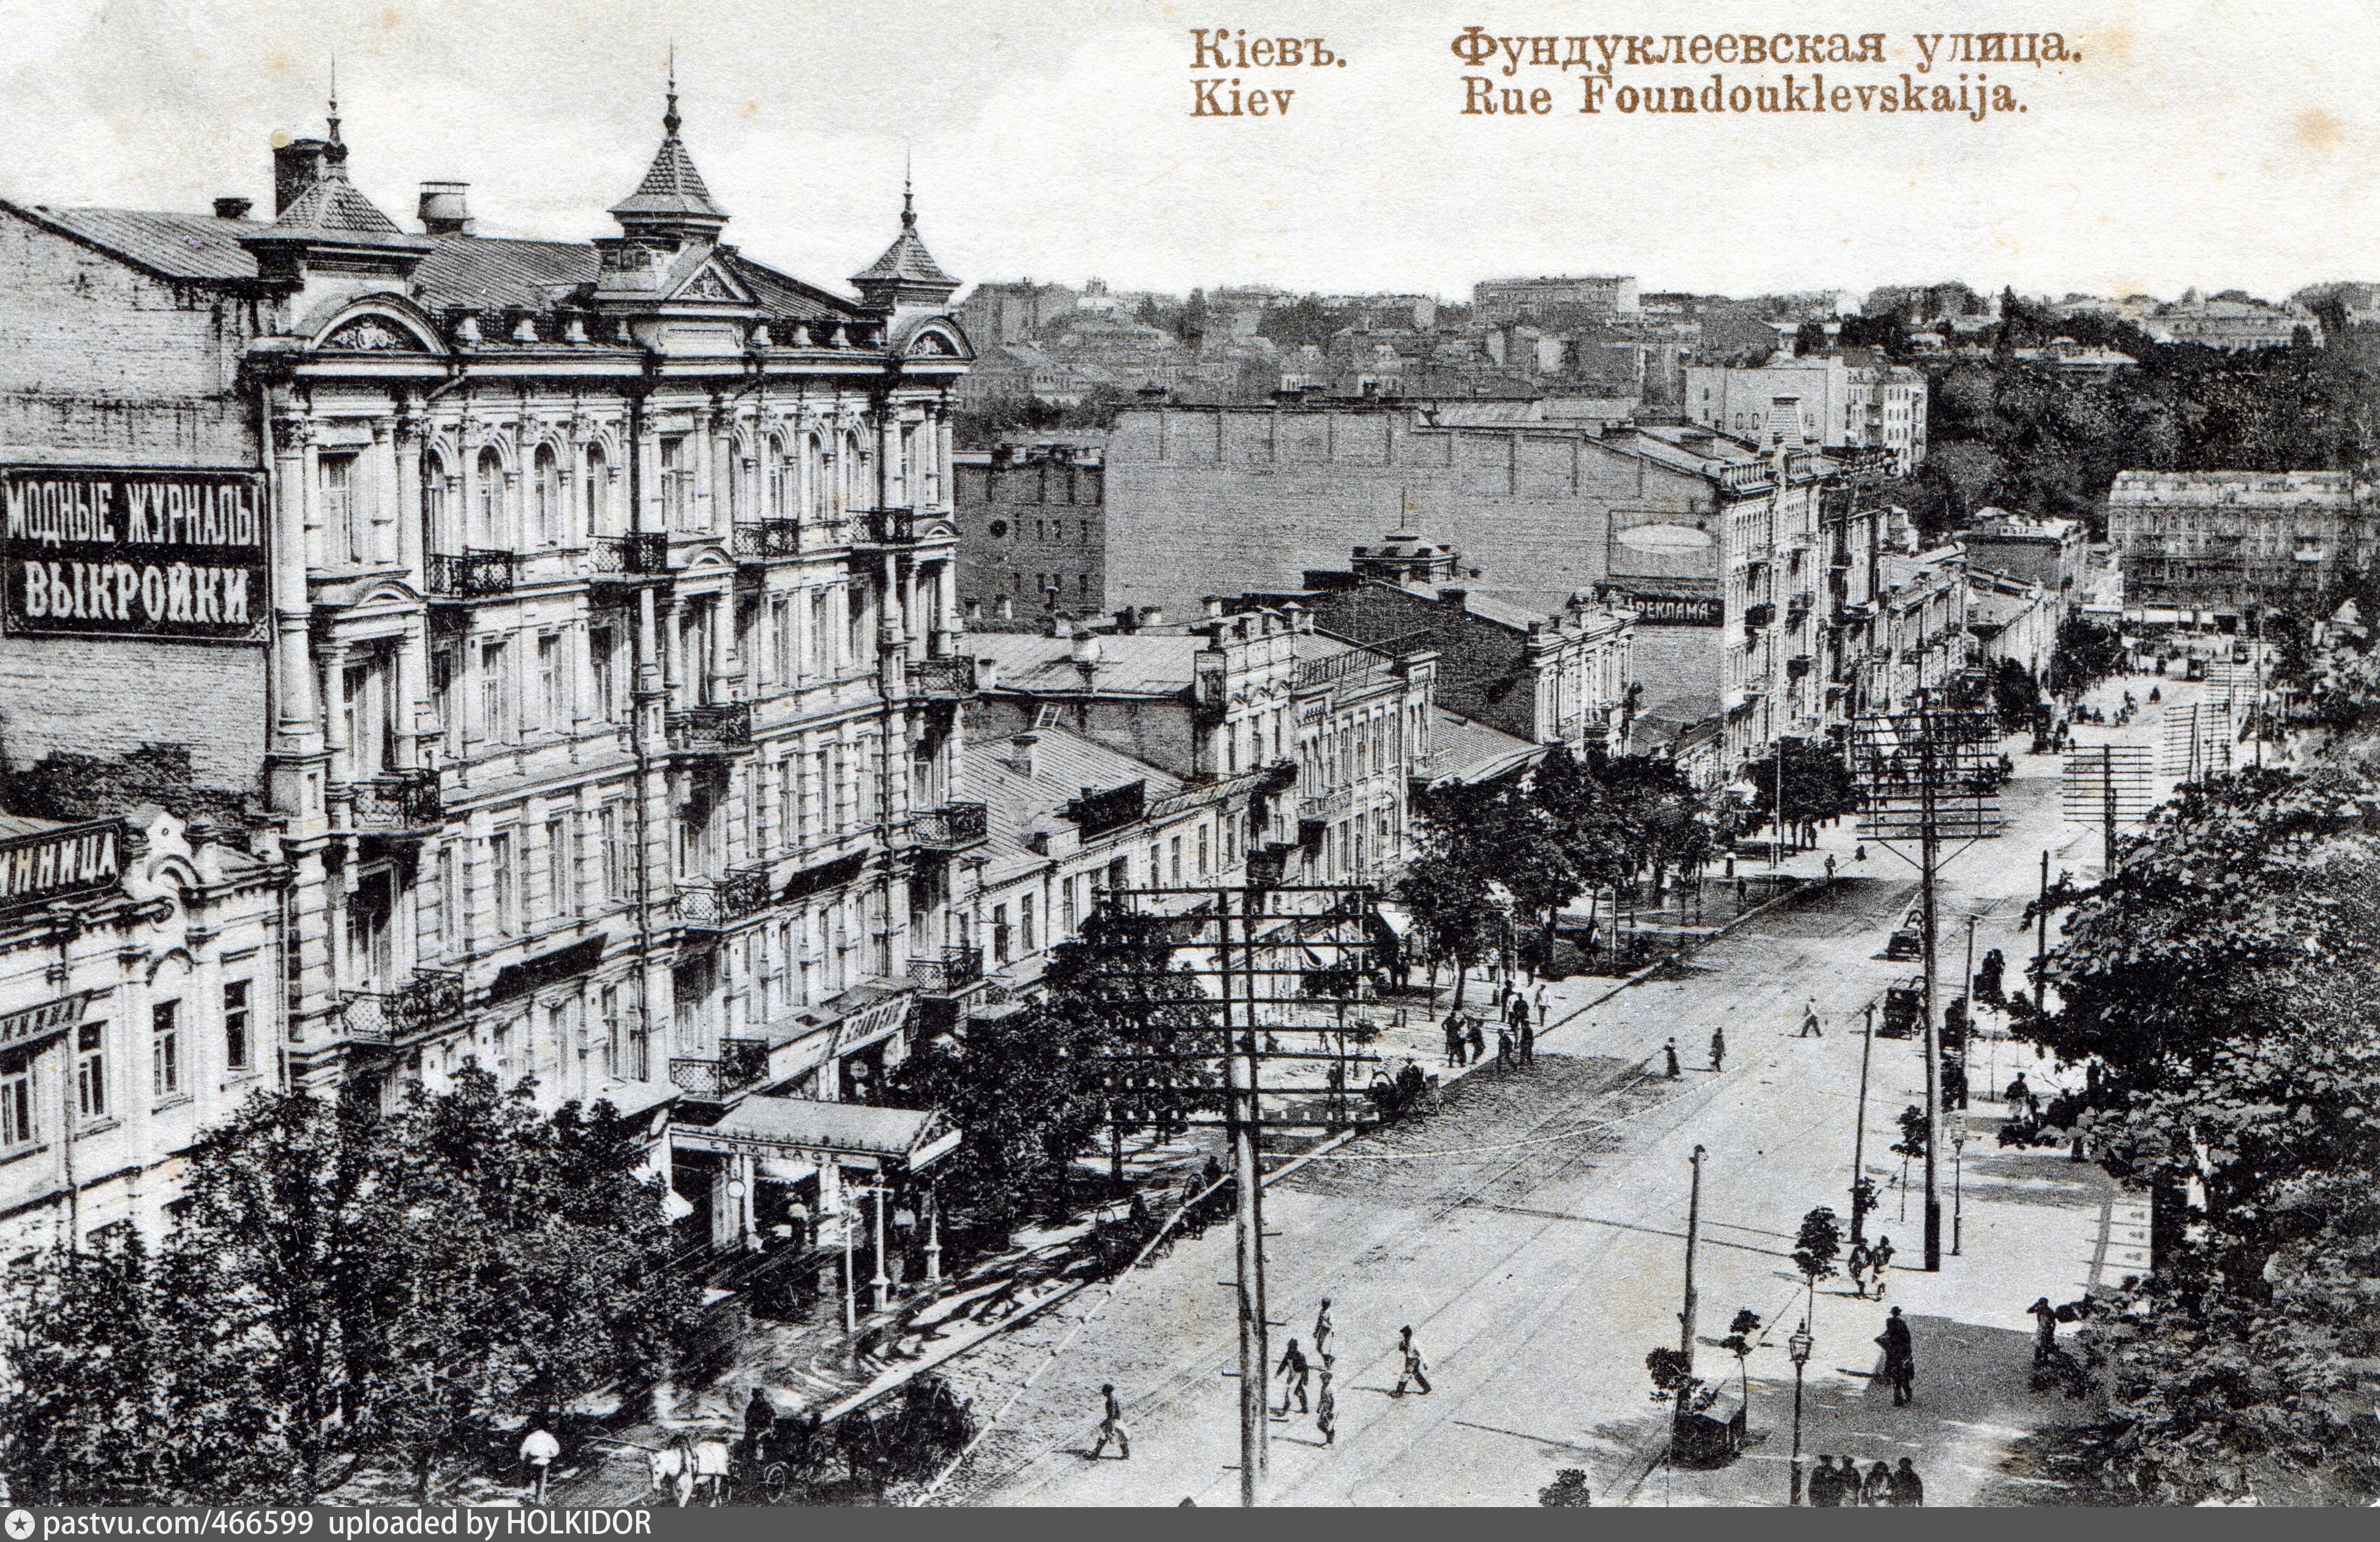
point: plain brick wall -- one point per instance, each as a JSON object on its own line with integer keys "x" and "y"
{"x": 104, "y": 365}
{"x": 1056, "y": 523}
{"x": 1233, "y": 501}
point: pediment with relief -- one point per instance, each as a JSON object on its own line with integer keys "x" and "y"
{"x": 711, "y": 282}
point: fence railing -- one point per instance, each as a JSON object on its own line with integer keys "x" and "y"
{"x": 472, "y": 574}
{"x": 950, "y": 827}
{"x": 429, "y": 998}
{"x": 758, "y": 540}
{"x": 943, "y": 679}
{"x": 955, "y": 969}
{"x": 706, "y": 907}
{"x": 400, "y": 800}
{"x": 643, "y": 554}
{"x": 725, "y": 725}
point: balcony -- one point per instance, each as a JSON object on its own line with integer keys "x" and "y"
{"x": 429, "y": 998}
{"x": 717, "y": 906}
{"x": 886, "y": 527}
{"x": 723, "y": 728}
{"x": 401, "y": 802}
{"x": 1797, "y": 666}
{"x": 1798, "y": 607}
{"x": 942, "y": 679}
{"x": 953, "y": 827}
{"x": 760, "y": 539}
{"x": 643, "y": 555}
{"x": 741, "y": 1064}
{"x": 1759, "y": 615}
{"x": 949, "y": 975}
{"x": 1839, "y": 558}
{"x": 472, "y": 575}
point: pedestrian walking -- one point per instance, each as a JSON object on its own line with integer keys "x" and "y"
{"x": 1900, "y": 1358}
{"x": 1322, "y": 1332}
{"x": 1810, "y": 1029}
{"x": 2045, "y": 1331}
{"x": 1294, "y": 1366}
{"x": 1453, "y": 1038}
{"x": 1503, "y": 1048}
{"x": 1908, "y": 1488}
{"x": 1858, "y": 1264}
{"x": 1326, "y": 1407}
{"x": 1416, "y": 1370}
{"x": 1516, "y": 1011}
{"x": 1826, "y": 1483}
{"x": 1541, "y": 1004}
{"x": 1879, "y": 1258}
{"x": 1831, "y": 867}
{"x": 1478, "y": 1042}
{"x": 1112, "y": 1426}
{"x": 538, "y": 1454}
{"x": 1877, "y": 1490}
{"x": 1528, "y": 1043}
{"x": 1718, "y": 1048}
{"x": 1670, "y": 1051}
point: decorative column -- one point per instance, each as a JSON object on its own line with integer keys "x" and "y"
{"x": 465, "y": 521}
{"x": 411, "y": 536}
{"x": 722, "y": 646}
{"x": 945, "y": 473}
{"x": 311, "y": 475}
{"x": 948, "y": 623}
{"x": 416, "y": 745}
{"x": 382, "y": 546}
{"x": 335, "y": 717}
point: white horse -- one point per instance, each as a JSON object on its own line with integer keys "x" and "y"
{"x": 690, "y": 1461}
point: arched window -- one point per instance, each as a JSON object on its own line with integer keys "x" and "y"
{"x": 813, "y": 477}
{"x": 599, "y": 492}
{"x": 545, "y": 494}
{"x": 782, "y": 481}
{"x": 854, "y": 475}
{"x": 487, "y": 527}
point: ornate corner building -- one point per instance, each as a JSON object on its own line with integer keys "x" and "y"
{"x": 578, "y": 620}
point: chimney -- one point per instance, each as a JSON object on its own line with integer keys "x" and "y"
{"x": 1086, "y": 647}
{"x": 233, "y": 208}
{"x": 1211, "y": 607}
{"x": 296, "y": 165}
{"x": 973, "y": 610}
{"x": 1458, "y": 598}
{"x": 1128, "y": 620}
{"x": 1021, "y": 756}
{"x": 1300, "y": 620}
{"x": 1052, "y": 623}
{"x": 1152, "y": 616}
{"x": 442, "y": 212}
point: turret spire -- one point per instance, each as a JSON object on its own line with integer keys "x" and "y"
{"x": 338, "y": 151}
{"x": 670, "y": 120}
{"x": 671, "y": 200}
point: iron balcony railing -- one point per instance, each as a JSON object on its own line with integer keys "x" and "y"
{"x": 645, "y": 554}
{"x": 942, "y": 679}
{"x": 955, "y": 970}
{"x": 741, "y": 1064}
{"x": 887, "y": 527}
{"x": 703, "y": 906}
{"x": 473, "y": 575}
{"x": 1759, "y": 615}
{"x": 405, "y": 800}
{"x": 718, "y": 729}
{"x": 758, "y": 540}
{"x": 952, "y": 827}
{"x": 429, "y": 998}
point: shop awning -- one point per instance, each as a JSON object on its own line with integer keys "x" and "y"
{"x": 846, "y": 1135}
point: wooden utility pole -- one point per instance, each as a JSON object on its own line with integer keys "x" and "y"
{"x": 1928, "y": 844}
{"x": 1694, "y": 1229}
{"x": 1859, "y": 1133}
{"x": 1248, "y": 1221}
{"x": 2041, "y": 933}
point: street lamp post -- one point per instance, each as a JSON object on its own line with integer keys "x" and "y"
{"x": 1798, "y": 1346}
{"x": 1957, "y": 1154}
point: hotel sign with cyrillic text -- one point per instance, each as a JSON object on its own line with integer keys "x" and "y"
{"x": 60, "y": 862}
{"x": 161, "y": 553}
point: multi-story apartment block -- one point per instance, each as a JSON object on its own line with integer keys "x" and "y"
{"x": 140, "y": 1002}
{"x": 1921, "y": 644}
{"x": 1842, "y": 402}
{"x": 585, "y": 613}
{"x": 1523, "y": 299}
{"x": 2232, "y": 541}
{"x": 1033, "y": 527}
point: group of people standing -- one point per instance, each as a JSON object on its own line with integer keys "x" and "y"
{"x": 1519, "y": 1016}
{"x": 1841, "y": 1486}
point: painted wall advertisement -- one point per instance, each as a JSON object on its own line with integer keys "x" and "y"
{"x": 163, "y": 554}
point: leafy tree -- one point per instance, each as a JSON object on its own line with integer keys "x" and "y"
{"x": 1738, "y": 1342}
{"x": 1568, "y": 1490}
{"x": 1810, "y": 337}
{"x": 1817, "y": 784}
{"x": 1817, "y": 1246}
{"x": 1455, "y": 910}
{"x": 1673, "y": 1378}
{"x": 1912, "y": 1144}
{"x": 2085, "y": 654}
{"x": 1151, "y": 1030}
{"x": 83, "y": 1424}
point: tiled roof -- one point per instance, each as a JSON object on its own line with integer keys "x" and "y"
{"x": 908, "y": 260}
{"x": 333, "y": 204}
{"x": 1138, "y": 665}
{"x": 177, "y": 246}
{"x": 490, "y": 273}
{"x": 672, "y": 186}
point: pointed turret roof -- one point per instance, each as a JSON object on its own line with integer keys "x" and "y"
{"x": 671, "y": 199}
{"x": 329, "y": 219}
{"x": 907, "y": 271}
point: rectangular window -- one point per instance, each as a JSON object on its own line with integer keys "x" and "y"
{"x": 814, "y": 642}
{"x": 1203, "y": 852}
{"x": 1025, "y": 923}
{"x": 1070, "y": 914}
{"x": 1000, "y": 934}
{"x": 91, "y": 1070}
{"x": 560, "y": 894}
{"x": 787, "y": 805}
{"x": 491, "y": 725}
{"x": 1173, "y": 860}
{"x": 500, "y": 876}
{"x": 780, "y": 617}
{"x": 552, "y": 685}
{"x": 17, "y": 1126}
{"x": 855, "y": 618}
{"x": 443, "y": 666}
{"x": 615, "y": 872}
{"x": 601, "y": 641}
{"x": 165, "y": 1048}
{"x": 342, "y": 524}
{"x": 238, "y": 1053}
{"x": 607, "y": 1051}
{"x": 677, "y": 483}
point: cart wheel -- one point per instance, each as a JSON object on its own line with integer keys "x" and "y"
{"x": 776, "y": 1480}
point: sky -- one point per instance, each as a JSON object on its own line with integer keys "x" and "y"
{"x": 2220, "y": 143}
